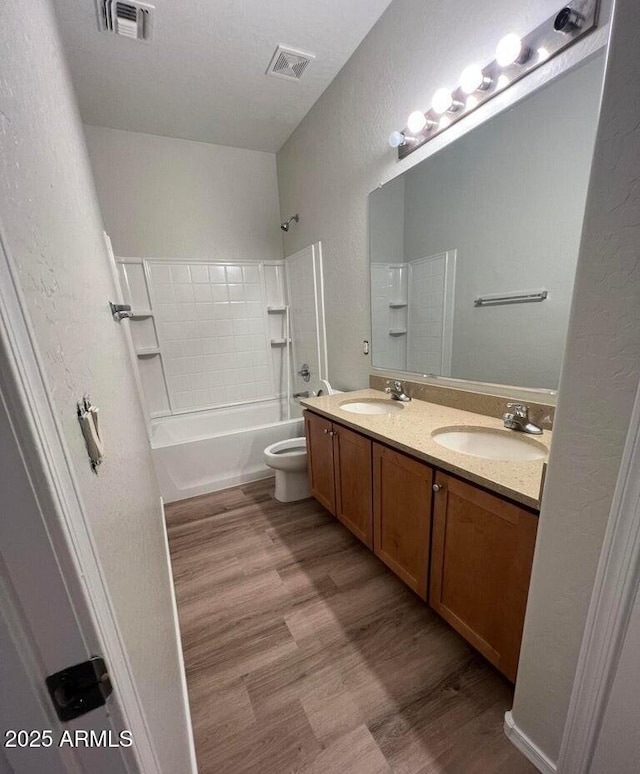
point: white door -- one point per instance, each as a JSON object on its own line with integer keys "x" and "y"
{"x": 40, "y": 633}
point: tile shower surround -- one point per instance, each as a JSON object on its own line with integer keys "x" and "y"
{"x": 213, "y": 332}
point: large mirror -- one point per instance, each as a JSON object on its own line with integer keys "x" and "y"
{"x": 473, "y": 251}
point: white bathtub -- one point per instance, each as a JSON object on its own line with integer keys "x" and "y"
{"x": 209, "y": 450}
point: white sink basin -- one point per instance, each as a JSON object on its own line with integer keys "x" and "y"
{"x": 490, "y": 444}
{"x": 372, "y": 406}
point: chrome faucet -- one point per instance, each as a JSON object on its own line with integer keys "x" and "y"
{"x": 397, "y": 391}
{"x": 518, "y": 419}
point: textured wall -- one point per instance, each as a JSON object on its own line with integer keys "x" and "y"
{"x": 52, "y": 228}
{"x": 597, "y": 389}
{"x": 339, "y": 153}
{"x": 168, "y": 198}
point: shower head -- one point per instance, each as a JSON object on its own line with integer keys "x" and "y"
{"x": 285, "y": 224}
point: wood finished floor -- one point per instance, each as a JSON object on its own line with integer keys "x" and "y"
{"x": 305, "y": 654}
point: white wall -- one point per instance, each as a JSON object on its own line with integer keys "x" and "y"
{"x": 52, "y": 229}
{"x": 168, "y": 198}
{"x": 597, "y": 390}
{"x": 339, "y": 153}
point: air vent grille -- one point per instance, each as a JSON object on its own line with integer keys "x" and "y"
{"x": 127, "y": 19}
{"x": 289, "y": 63}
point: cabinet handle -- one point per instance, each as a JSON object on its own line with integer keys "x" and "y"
{"x": 330, "y": 432}
{"x": 436, "y": 487}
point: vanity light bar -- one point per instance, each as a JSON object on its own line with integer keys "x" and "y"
{"x": 515, "y": 57}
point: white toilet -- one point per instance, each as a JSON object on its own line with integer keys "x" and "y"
{"x": 289, "y": 460}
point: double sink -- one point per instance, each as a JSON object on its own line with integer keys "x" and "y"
{"x": 484, "y": 442}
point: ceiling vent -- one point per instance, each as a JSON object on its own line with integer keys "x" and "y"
{"x": 127, "y": 19}
{"x": 289, "y": 63}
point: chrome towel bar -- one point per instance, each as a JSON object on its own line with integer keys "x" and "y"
{"x": 511, "y": 298}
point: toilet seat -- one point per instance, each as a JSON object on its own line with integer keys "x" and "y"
{"x": 292, "y": 447}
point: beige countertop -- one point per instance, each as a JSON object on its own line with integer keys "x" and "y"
{"x": 410, "y": 430}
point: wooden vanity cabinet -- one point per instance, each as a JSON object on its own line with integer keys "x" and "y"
{"x": 481, "y": 560}
{"x": 471, "y": 558}
{"x": 402, "y": 515}
{"x": 339, "y": 463}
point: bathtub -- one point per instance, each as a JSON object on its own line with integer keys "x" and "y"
{"x": 205, "y": 451}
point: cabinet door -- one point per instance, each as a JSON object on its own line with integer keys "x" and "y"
{"x": 319, "y": 432}
{"x": 480, "y": 568}
{"x": 402, "y": 515}
{"x": 352, "y": 466}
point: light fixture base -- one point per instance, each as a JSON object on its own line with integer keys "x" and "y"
{"x": 571, "y": 23}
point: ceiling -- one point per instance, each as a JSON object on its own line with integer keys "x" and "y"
{"x": 202, "y": 77}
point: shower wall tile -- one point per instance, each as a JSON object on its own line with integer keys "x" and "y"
{"x": 388, "y": 285}
{"x": 213, "y": 332}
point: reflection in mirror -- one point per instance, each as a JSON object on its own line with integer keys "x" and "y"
{"x": 463, "y": 245}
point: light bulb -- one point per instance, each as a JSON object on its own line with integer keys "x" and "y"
{"x": 416, "y": 122}
{"x": 396, "y": 139}
{"x": 473, "y": 79}
{"x": 510, "y": 49}
{"x": 442, "y": 101}
{"x": 471, "y": 103}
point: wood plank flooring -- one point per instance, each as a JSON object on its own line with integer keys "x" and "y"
{"x": 305, "y": 654}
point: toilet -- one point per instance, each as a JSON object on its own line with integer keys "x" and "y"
{"x": 289, "y": 459}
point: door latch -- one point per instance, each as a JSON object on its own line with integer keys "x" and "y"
{"x": 79, "y": 689}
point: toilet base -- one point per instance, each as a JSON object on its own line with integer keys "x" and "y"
{"x": 292, "y": 485}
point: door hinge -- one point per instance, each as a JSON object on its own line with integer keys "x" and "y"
{"x": 78, "y": 689}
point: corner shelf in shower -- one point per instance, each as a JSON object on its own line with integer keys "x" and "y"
{"x": 397, "y": 332}
{"x": 397, "y": 304}
{"x": 276, "y": 309}
{"x": 148, "y": 352}
{"x": 279, "y": 342}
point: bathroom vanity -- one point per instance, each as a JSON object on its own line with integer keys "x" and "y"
{"x": 458, "y": 529}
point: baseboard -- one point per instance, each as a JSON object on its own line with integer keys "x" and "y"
{"x": 527, "y": 747}
{"x": 183, "y": 677}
